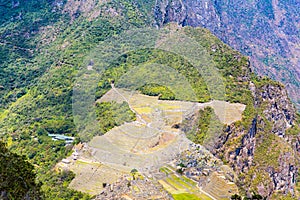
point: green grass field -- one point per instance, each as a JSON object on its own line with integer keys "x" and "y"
{"x": 181, "y": 187}
{"x": 186, "y": 196}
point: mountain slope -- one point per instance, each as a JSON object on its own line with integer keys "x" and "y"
{"x": 17, "y": 179}
{"x": 37, "y": 100}
{"x": 45, "y": 103}
{"x": 266, "y": 31}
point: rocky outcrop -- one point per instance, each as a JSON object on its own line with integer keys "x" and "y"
{"x": 200, "y": 158}
{"x": 267, "y": 31}
{"x": 264, "y": 151}
{"x": 129, "y": 188}
{"x": 284, "y": 179}
{"x": 277, "y": 108}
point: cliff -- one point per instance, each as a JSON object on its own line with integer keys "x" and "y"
{"x": 266, "y": 153}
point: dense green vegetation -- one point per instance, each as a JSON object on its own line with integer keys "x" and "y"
{"x": 163, "y": 92}
{"x": 151, "y": 56}
{"x": 20, "y": 45}
{"x": 17, "y": 177}
{"x": 206, "y": 127}
{"x": 111, "y": 114}
{"x": 35, "y": 103}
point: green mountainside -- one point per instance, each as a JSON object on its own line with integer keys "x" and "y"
{"x": 17, "y": 176}
{"x": 45, "y": 44}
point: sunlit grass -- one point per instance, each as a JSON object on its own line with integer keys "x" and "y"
{"x": 187, "y": 196}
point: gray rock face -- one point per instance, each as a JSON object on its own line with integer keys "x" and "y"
{"x": 284, "y": 179}
{"x": 126, "y": 188}
{"x": 267, "y": 31}
{"x": 278, "y": 110}
{"x": 250, "y": 155}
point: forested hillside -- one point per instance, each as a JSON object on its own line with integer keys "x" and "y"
{"x": 37, "y": 80}
{"x": 45, "y": 44}
{"x": 17, "y": 177}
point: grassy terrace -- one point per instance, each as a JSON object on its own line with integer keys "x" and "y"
{"x": 186, "y": 196}
{"x": 181, "y": 187}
